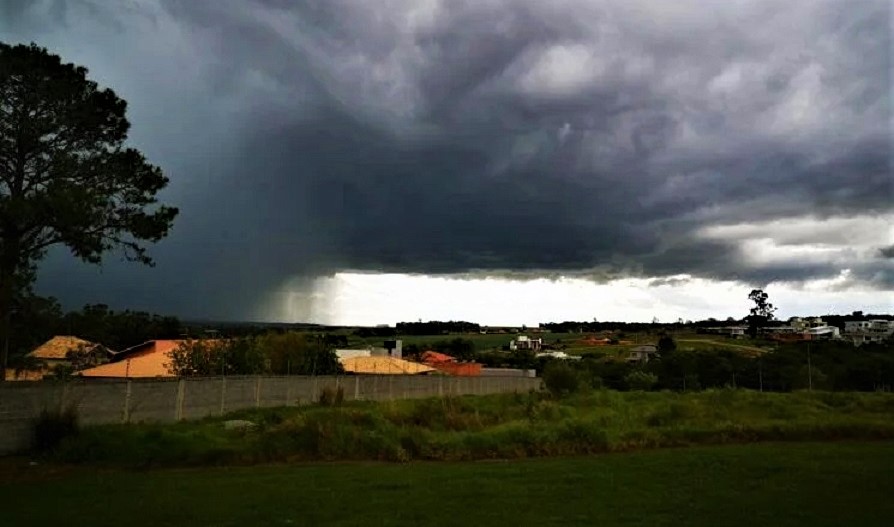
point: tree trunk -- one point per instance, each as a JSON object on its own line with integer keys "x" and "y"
{"x": 8, "y": 267}
{"x": 6, "y": 289}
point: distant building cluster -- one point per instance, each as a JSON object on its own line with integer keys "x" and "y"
{"x": 866, "y": 331}
{"x": 523, "y": 342}
{"x": 152, "y": 359}
{"x": 857, "y": 332}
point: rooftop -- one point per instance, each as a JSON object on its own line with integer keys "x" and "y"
{"x": 59, "y": 346}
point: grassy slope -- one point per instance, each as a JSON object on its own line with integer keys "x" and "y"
{"x": 493, "y": 427}
{"x": 772, "y": 484}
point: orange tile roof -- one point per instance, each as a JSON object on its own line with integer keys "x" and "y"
{"x": 383, "y": 366}
{"x": 433, "y": 357}
{"x": 58, "y": 346}
{"x": 152, "y": 361}
{"x": 460, "y": 369}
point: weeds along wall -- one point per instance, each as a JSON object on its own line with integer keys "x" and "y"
{"x": 167, "y": 400}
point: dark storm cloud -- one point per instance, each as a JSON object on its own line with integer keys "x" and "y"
{"x": 498, "y": 138}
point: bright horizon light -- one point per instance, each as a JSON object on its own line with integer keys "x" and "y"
{"x": 369, "y": 299}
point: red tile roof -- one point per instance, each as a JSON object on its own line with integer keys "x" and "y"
{"x": 433, "y": 357}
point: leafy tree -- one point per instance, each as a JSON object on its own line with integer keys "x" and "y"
{"x": 84, "y": 357}
{"x": 640, "y": 380}
{"x": 412, "y": 352}
{"x": 666, "y": 345}
{"x": 459, "y": 348}
{"x": 761, "y": 313}
{"x": 34, "y": 319}
{"x": 195, "y": 358}
{"x": 215, "y": 357}
{"x": 560, "y": 378}
{"x": 66, "y": 177}
{"x": 298, "y": 354}
{"x": 119, "y": 330}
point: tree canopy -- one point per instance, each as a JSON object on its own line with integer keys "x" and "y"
{"x": 66, "y": 175}
{"x": 760, "y": 313}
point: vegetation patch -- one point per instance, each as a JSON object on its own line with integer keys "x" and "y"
{"x": 490, "y": 427}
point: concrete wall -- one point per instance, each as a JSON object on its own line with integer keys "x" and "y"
{"x": 169, "y": 400}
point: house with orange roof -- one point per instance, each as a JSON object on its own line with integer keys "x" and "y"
{"x": 60, "y": 351}
{"x": 146, "y": 360}
{"x": 449, "y": 365}
{"x": 379, "y": 365}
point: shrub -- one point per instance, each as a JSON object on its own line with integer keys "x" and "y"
{"x": 640, "y": 380}
{"x": 666, "y": 345}
{"x": 330, "y": 396}
{"x": 560, "y": 379}
{"x": 53, "y": 426}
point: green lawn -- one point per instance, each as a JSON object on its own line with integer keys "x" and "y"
{"x": 813, "y": 484}
{"x": 501, "y": 426}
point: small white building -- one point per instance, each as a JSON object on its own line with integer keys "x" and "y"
{"x": 824, "y": 332}
{"x": 803, "y": 324}
{"x": 642, "y": 354}
{"x": 864, "y": 331}
{"x": 522, "y": 342}
{"x": 350, "y": 354}
{"x": 558, "y": 355}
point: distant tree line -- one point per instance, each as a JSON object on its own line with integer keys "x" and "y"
{"x": 436, "y": 328}
{"x": 629, "y": 327}
{"x": 36, "y": 319}
{"x": 825, "y": 365}
{"x": 276, "y": 353}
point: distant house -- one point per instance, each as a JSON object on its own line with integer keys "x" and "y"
{"x": 642, "y": 354}
{"x": 823, "y": 333}
{"x": 391, "y": 348}
{"x": 449, "y": 365}
{"x": 149, "y": 359}
{"x": 865, "y": 331}
{"x": 735, "y": 332}
{"x": 66, "y": 350}
{"x": 802, "y": 324}
{"x": 522, "y": 342}
{"x": 384, "y": 366}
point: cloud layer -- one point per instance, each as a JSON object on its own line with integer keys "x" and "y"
{"x": 744, "y": 140}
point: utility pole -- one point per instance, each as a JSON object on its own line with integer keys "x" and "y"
{"x": 760, "y": 374}
{"x": 809, "y": 370}
{"x": 6, "y": 344}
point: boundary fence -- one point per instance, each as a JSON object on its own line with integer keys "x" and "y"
{"x": 170, "y": 400}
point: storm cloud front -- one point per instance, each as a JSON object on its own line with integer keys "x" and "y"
{"x": 729, "y": 141}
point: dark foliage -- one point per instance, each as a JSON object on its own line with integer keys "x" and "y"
{"x": 561, "y": 379}
{"x": 436, "y": 328}
{"x": 66, "y": 176}
{"x": 53, "y": 426}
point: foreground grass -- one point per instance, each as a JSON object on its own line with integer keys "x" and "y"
{"x": 492, "y": 427}
{"x": 772, "y": 484}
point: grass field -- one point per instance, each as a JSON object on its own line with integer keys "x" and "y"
{"x": 494, "y": 341}
{"x": 693, "y": 343}
{"x": 505, "y": 426}
{"x": 828, "y": 484}
{"x": 488, "y": 342}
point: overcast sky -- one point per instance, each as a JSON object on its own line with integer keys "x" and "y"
{"x": 497, "y": 161}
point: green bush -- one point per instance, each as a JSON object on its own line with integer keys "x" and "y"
{"x": 640, "y": 380}
{"x": 560, "y": 379}
{"x": 488, "y": 427}
{"x": 330, "y": 396}
{"x": 53, "y": 426}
